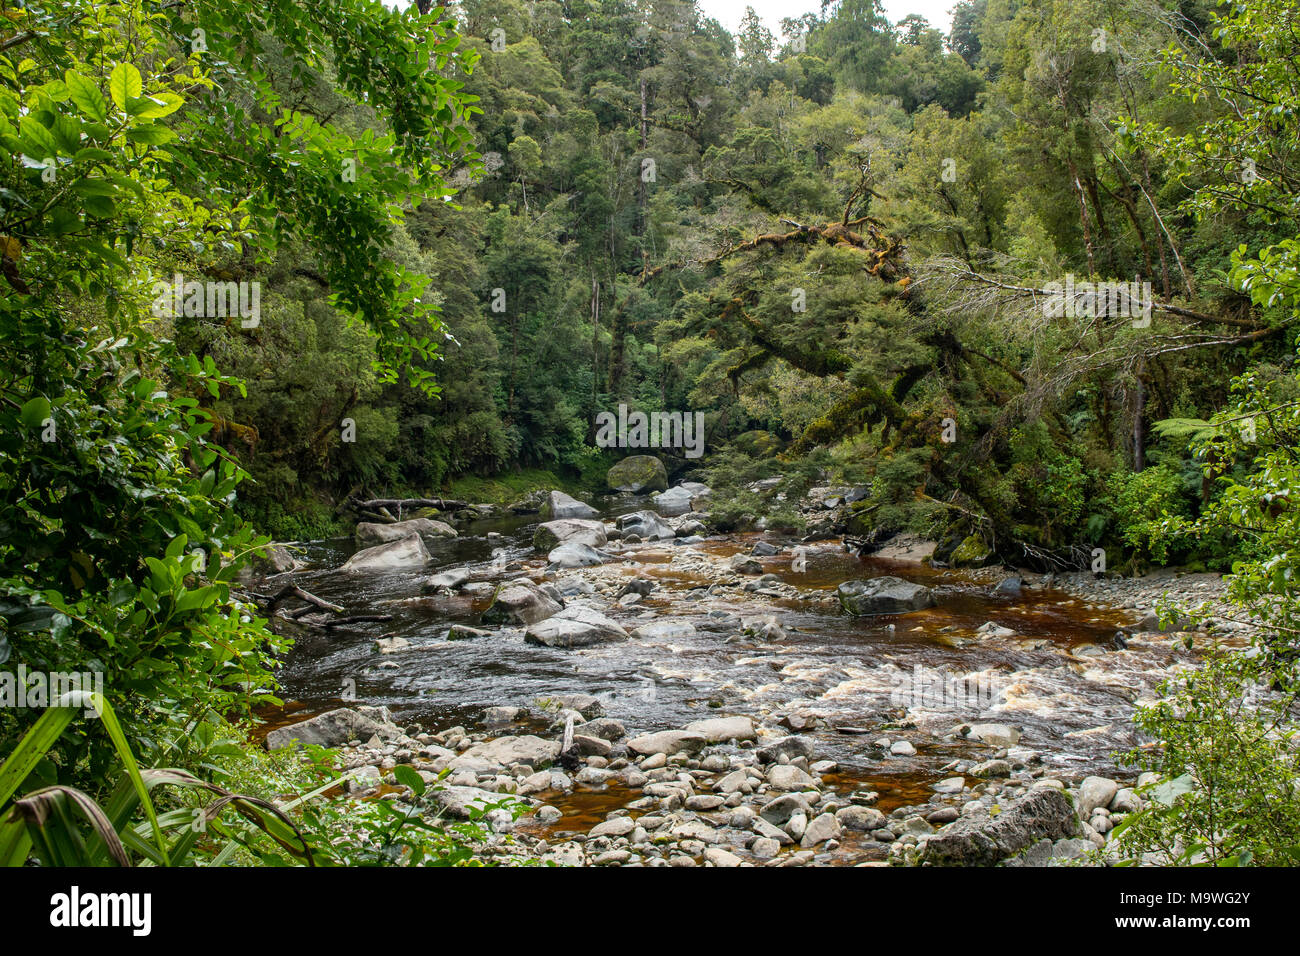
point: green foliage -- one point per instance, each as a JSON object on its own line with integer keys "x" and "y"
{"x": 1150, "y": 511}
{"x": 127, "y": 150}
{"x": 52, "y": 823}
{"x": 1047, "y": 487}
{"x": 1228, "y": 764}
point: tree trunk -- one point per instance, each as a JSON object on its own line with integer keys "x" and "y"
{"x": 1139, "y": 427}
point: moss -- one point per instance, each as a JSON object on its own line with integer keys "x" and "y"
{"x": 757, "y": 443}
{"x": 504, "y": 488}
{"x": 862, "y": 519}
{"x": 638, "y": 473}
{"x": 971, "y": 553}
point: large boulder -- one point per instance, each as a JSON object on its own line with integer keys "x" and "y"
{"x": 575, "y": 626}
{"x": 276, "y": 559}
{"x": 551, "y": 534}
{"x": 667, "y": 742}
{"x": 886, "y": 595}
{"x": 647, "y": 525}
{"x": 559, "y": 505}
{"x": 638, "y": 473}
{"x": 979, "y": 839}
{"x": 406, "y": 554}
{"x": 503, "y": 752}
{"x": 529, "y": 504}
{"x": 717, "y": 730}
{"x": 789, "y": 777}
{"x": 334, "y": 728}
{"x": 674, "y": 501}
{"x": 520, "y": 602}
{"x": 973, "y": 552}
{"x": 370, "y": 533}
{"x": 1095, "y": 792}
{"x": 575, "y": 554}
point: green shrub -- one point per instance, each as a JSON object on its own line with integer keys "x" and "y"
{"x": 1150, "y": 510}
{"x": 1228, "y": 764}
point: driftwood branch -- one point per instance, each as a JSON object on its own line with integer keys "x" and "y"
{"x": 292, "y": 590}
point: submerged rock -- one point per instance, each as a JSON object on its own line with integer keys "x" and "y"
{"x": 664, "y": 630}
{"x": 463, "y": 632}
{"x": 448, "y": 580}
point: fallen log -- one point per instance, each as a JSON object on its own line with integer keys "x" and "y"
{"x": 292, "y": 590}
{"x": 401, "y": 504}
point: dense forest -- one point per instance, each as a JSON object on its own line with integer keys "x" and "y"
{"x": 1030, "y": 288}
{"x": 652, "y": 193}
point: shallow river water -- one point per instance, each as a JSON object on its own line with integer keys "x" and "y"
{"x": 914, "y": 676}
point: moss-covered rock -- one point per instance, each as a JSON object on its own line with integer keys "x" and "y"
{"x": 861, "y": 522}
{"x": 638, "y": 473}
{"x": 973, "y": 552}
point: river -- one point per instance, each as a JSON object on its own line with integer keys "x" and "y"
{"x": 915, "y": 676}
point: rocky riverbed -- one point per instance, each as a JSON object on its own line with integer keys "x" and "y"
{"x": 642, "y": 693}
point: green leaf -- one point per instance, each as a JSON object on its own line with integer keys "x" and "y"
{"x": 86, "y": 96}
{"x": 124, "y": 83}
{"x": 154, "y": 107}
{"x": 408, "y": 777}
{"x": 35, "y": 412}
{"x": 152, "y": 135}
{"x": 32, "y": 749}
